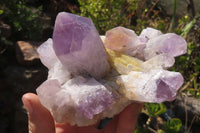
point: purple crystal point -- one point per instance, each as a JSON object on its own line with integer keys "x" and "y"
{"x": 46, "y": 92}
{"x": 78, "y": 97}
{"x": 47, "y": 54}
{"x": 125, "y": 41}
{"x": 155, "y": 86}
{"x": 163, "y": 61}
{"x": 150, "y": 33}
{"x": 169, "y": 43}
{"x": 78, "y": 46}
{"x": 90, "y": 96}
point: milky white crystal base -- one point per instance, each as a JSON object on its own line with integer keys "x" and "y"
{"x": 155, "y": 86}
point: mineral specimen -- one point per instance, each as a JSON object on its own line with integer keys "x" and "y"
{"x": 73, "y": 41}
{"x": 92, "y": 77}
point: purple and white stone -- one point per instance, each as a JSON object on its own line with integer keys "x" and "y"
{"x": 77, "y": 42}
{"x": 150, "y": 33}
{"x": 126, "y": 41}
{"x": 155, "y": 86}
{"x": 47, "y": 54}
{"x": 162, "y": 61}
{"x": 83, "y": 88}
{"x": 169, "y": 43}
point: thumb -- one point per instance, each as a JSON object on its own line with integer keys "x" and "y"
{"x": 40, "y": 119}
{"x": 128, "y": 118}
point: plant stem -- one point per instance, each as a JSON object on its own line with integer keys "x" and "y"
{"x": 192, "y": 8}
{"x": 187, "y": 28}
{"x": 173, "y": 17}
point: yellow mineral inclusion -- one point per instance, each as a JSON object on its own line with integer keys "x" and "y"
{"x": 122, "y": 63}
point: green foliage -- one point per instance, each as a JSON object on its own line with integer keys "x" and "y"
{"x": 154, "y": 109}
{"x": 172, "y": 126}
{"x": 188, "y": 64}
{"x": 173, "y": 17}
{"x": 186, "y": 60}
{"x": 140, "y": 130}
{"x": 21, "y": 18}
{"x": 1, "y": 12}
{"x": 107, "y": 14}
{"x": 194, "y": 89}
{"x": 187, "y": 28}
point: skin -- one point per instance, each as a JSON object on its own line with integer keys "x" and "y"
{"x": 41, "y": 121}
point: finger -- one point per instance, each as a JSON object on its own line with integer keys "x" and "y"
{"x": 64, "y": 128}
{"x": 128, "y": 118}
{"x": 67, "y": 128}
{"x": 111, "y": 127}
{"x": 40, "y": 119}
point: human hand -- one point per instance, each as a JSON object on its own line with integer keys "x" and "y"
{"x": 41, "y": 121}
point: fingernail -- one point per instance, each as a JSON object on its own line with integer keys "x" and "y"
{"x": 27, "y": 105}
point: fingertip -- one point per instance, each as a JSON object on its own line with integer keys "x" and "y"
{"x": 29, "y": 97}
{"x": 40, "y": 119}
{"x": 29, "y": 100}
{"x": 27, "y": 104}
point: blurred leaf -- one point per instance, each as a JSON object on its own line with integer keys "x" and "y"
{"x": 140, "y": 130}
{"x": 1, "y": 12}
{"x": 161, "y": 111}
{"x": 161, "y": 131}
{"x": 187, "y": 28}
{"x": 172, "y": 126}
{"x": 155, "y": 109}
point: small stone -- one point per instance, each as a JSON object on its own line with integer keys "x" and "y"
{"x": 5, "y": 30}
{"x": 26, "y": 53}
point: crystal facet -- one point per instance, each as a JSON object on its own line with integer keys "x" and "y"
{"x": 77, "y": 45}
{"x": 164, "y": 61}
{"x": 47, "y": 59}
{"x": 150, "y": 33}
{"x": 155, "y": 86}
{"x": 169, "y": 43}
{"x": 126, "y": 41}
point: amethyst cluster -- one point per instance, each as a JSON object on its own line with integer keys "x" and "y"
{"x": 92, "y": 77}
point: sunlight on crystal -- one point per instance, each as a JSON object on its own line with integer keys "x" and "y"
{"x": 92, "y": 77}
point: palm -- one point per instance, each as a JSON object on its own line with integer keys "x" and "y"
{"x": 41, "y": 121}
